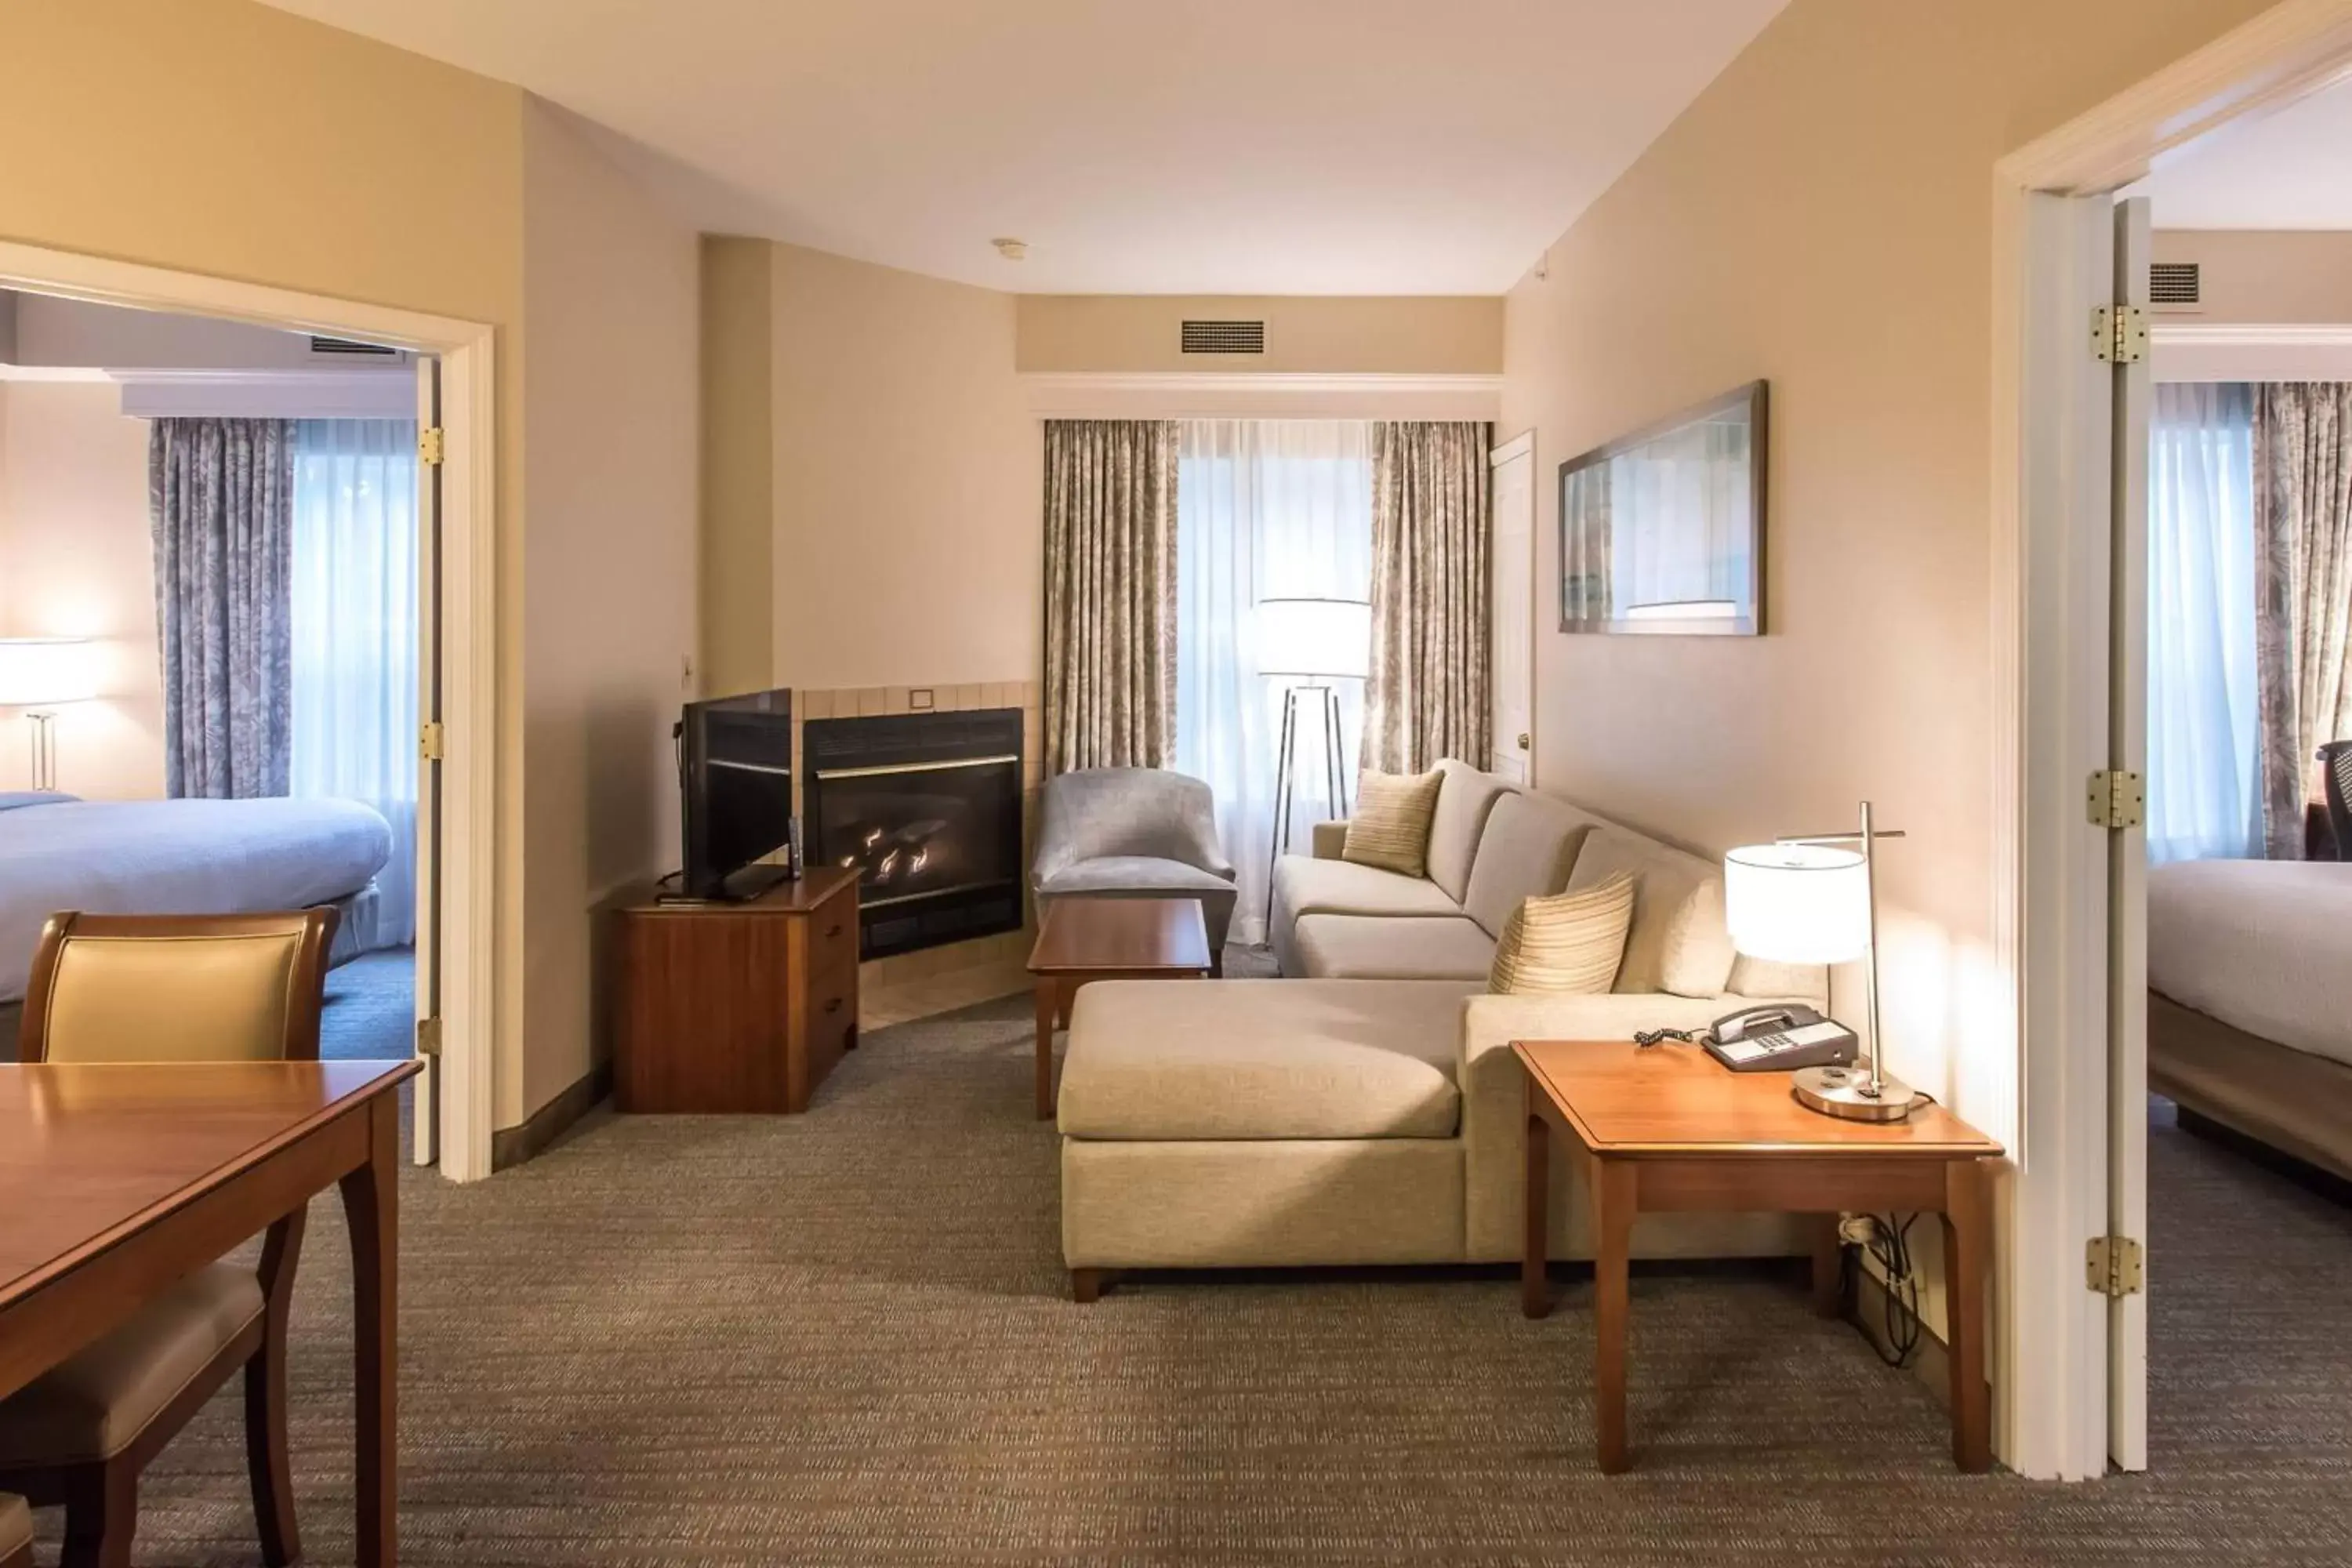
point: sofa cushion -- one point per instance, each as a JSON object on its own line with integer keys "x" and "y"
{"x": 1678, "y": 942}
{"x": 1262, "y": 1059}
{"x": 1530, "y": 844}
{"x": 1565, "y": 945}
{"x": 1391, "y": 827}
{"x": 1303, "y": 887}
{"x": 1464, "y": 799}
{"x": 1394, "y": 947}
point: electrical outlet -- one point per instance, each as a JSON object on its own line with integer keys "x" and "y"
{"x": 1858, "y": 1229}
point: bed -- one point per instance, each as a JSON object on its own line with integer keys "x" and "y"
{"x": 2250, "y": 1000}
{"x": 177, "y": 856}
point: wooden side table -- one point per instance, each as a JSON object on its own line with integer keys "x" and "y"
{"x": 1667, "y": 1128}
{"x": 737, "y": 1007}
{"x": 1082, "y": 939}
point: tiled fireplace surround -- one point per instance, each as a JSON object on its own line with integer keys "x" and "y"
{"x": 939, "y": 979}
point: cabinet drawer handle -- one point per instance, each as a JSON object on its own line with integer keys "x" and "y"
{"x": 834, "y": 1006}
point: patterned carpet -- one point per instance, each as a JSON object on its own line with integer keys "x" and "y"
{"x": 842, "y": 1339}
{"x": 371, "y": 1009}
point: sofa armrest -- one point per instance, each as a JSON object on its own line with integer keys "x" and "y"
{"x": 1494, "y": 1095}
{"x": 1331, "y": 840}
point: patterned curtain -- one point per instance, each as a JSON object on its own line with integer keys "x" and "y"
{"x": 2302, "y": 608}
{"x": 1110, "y": 593}
{"x": 1431, "y": 512}
{"x": 220, "y": 496}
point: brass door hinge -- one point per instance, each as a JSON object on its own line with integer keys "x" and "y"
{"x": 2115, "y": 1266}
{"x": 2119, "y": 334}
{"x": 2118, "y": 799}
{"x": 429, "y": 1035}
{"x": 428, "y": 741}
{"x": 428, "y": 446}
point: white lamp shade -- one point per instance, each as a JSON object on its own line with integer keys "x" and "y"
{"x": 1797, "y": 903}
{"x": 1327, "y": 639}
{"x": 38, "y": 673}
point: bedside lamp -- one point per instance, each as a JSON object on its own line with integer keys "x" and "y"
{"x": 38, "y": 674}
{"x": 1812, "y": 900}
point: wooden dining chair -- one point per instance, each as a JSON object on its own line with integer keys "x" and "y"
{"x": 168, "y": 988}
{"x": 15, "y": 1532}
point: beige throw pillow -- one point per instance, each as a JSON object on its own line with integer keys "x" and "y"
{"x": 1390, "y": 827}
{"x": 1565, "y": 945}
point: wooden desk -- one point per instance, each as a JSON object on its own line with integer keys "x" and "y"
{"x": 737, "y": 1008}
{"x": 1082, "y": 939}
{"x": 120, "y": 1179}
{"x": 1666, "y": 1128}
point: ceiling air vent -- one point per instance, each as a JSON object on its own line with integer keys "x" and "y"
{"x": 346, "y": 346}
{"x": 1225, "y": 337}
{"x": 2172, "y": 283}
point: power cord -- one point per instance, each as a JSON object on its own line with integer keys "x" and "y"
{"x": 1644, "y": 1038}
{"x": 1890, "y": 1242}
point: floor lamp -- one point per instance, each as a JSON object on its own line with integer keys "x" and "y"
{"x": 1309, "y": 644}
{"x": 37, "y": 674}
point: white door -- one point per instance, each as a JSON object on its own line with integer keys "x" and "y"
{"x": 1512, "y": 563}
{"x": 2127, "y": 862}
{"x": 427, "y": 1117}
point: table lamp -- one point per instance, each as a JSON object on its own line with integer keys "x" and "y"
{"x": 1810, "y": 899}
{"x": 1309, "y": 644}
{"x": 38, "y": 674}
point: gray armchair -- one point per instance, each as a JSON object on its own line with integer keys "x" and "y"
{"x": 1111, "y": 833}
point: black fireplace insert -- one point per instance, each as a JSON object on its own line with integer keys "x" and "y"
{"x": 927, "y": 808}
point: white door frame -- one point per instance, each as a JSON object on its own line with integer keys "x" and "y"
{"x": 469, "y": 716}
{"x": 2050, "y": 431}
{"x": 1523, "y": 445}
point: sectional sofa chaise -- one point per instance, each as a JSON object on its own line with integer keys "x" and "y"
{"x": 1366, "y": 1109}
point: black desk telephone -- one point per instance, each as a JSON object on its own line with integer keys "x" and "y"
{"x": 1779, "y": 1037}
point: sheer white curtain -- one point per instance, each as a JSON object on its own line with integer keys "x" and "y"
{"x": 2204, "y": 707}
{"x": 354, "y": 613}
{"x": 1265, "y": 510}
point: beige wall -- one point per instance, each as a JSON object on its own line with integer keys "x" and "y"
{"x": 2271, "y": 276}
{"x": 1787, "y": 226}
{"x": 76, "y": 561}
{"x": 609, "y": 441}
{"x": 739, "y": 464}
{"x": 909, "y": 491}
{"x": 1434, "y": 335}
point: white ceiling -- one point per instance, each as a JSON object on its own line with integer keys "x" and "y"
{"x": 1198, "y": 146}
{"x": 2289, "y": 170}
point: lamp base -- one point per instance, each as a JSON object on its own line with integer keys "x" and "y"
{"x": 1844, "y": 1092}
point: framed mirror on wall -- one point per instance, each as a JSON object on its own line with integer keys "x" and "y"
{"x": 1662, "y": 531}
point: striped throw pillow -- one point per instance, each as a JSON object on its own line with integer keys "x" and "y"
{"x": 1566, "y": 945}
{"x": 1390, "y": 827}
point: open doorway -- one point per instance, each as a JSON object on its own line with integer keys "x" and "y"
{"x": 302, "y": 487}
{"x": 209, "y": 558}
{"x": 2079, "y": 455}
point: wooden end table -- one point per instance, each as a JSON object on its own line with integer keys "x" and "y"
{"x": 1667, "y": 1128}
{"x": 1081, "y": 938}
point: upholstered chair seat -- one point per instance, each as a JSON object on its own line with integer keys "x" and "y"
{"x": 92, "y": 1407}
{"x": 156, "y": 989}
{"x": 1134, "y": 833}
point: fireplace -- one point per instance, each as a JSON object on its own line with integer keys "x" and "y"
{"x": 928, "y": 808}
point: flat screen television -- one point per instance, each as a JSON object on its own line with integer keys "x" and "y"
{"x": 735, "y": 773}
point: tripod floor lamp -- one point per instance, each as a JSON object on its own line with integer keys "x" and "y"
{"x": 1311, "y": 644}
{"x": 38, "y": 674}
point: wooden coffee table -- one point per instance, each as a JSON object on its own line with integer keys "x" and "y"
{"x": 1666, "y": 1128}
{"x": 1083, "y": 939}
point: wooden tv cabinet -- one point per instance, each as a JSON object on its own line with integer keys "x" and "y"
{"x": 734, "y": 1008}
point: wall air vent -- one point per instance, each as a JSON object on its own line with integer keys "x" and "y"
{"x": 2172, "y": 283}
{"x": 1225, "y": 337}
{"x": 346, "y": 346}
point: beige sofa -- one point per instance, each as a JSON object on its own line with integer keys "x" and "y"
{"x": 1369, "y": 1111}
